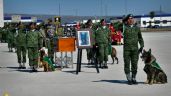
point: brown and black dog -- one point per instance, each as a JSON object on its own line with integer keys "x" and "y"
{"x": 155, "y": 75}
{"x": 114, "y": 55}
{"x": 45, "y": 64}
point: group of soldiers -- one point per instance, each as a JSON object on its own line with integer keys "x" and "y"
{"x": 131, "y": 50}
{"x": 33, "y": 37}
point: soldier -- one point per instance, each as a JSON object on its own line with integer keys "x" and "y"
{"x": 102, "y": 38}
{"x": 0, "y": 34}
{"x": 4, "y": 34}
{"x": 21, "y": 46}
{"x": 43, "y": 34}
{"x": 33, "y": 46}
{"x": 91, "y": 51}
{"x": 11, "y": 37}
{"x": 50, "y": 31}
{"x": 132, "y": 35}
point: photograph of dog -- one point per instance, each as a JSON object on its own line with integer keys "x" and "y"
{"x": 155, "y": 75}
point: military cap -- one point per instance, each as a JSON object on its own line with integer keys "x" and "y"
{"x": 127, "y": 17}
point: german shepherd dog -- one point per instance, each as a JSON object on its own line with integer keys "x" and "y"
{"x": 114, "y": 55}
{"x": 155, "y": 75}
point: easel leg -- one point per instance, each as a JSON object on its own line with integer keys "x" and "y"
{"x": 78, "y": 61}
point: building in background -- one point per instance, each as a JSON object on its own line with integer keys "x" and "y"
{"x": 1, "y": 14}
{"x": 163, "y": 20}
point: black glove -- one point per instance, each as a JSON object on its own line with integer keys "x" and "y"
{"x": 140, "y": 50}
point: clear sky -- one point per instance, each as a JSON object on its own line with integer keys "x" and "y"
{"x": 86, "y": 7}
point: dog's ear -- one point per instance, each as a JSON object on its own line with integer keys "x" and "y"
{"x": 149, "y": 50}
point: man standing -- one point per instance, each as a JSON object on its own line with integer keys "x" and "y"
{"x": 102, "y": 38}
{"x": 21, "y": 46}
{"x": 33, "y": 46}
{"x": 50, "y": 30}
{"x": 132, "y": 35}
{"x": 11, "y": 37}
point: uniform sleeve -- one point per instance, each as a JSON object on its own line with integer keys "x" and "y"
{"x": 109, "y": 36}
{"x": 140, "y": 38}
{"x": 40, "y": 43}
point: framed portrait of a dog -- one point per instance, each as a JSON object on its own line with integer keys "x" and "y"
{"x": 84, "y": 39}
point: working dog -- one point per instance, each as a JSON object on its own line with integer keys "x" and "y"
{"x": 114, "y": 55}
{"x": 46, "y": 63}
{"x": 155, "y": 75}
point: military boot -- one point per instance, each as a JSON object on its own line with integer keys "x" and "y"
{"x": 101, "y": 64}
{"x": 34, "y": 68}
{"x": 105, "y": 65}
{"x": 134, "y": 79}
{"x": 23, "y": 67}
{"x": 20, "y": 66}
{"x": 128, "y": 76}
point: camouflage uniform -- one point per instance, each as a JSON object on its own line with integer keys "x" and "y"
{"x": 102, "y": 37}
{"x": 51, "y": 41}
{"x": 43, "y": 35}
{"x": 33, "y": 45}
{"x": 11, "y": 37}
{"x": 132, "y": 35}
{"x": 4, "y": 34}
{"x": 21, "y": 47}
{"x": 91, "y": 51}
{"x": 0, "y": 34}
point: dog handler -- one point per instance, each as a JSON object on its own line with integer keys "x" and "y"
{"x": 132, "y": 35}
{"x": 33, "y": 39}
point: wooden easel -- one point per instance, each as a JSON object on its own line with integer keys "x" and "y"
{"x": 79, "y": 58}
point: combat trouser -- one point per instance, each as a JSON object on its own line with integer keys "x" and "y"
{"x": 21, "y": 54}
{"x": 130, "y": 57}
{"x": 33, "y": 55}
{"x": 51, "y": 51}
{"x": 103, "y": 52}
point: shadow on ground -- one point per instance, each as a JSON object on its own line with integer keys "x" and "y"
{"x": 20, "y": 70}
{"x": 116, "y": 81}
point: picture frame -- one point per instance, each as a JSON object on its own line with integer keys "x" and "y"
{"x": 84, "y": 38}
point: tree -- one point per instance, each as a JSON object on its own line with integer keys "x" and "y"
{"x": 152, "y": 14}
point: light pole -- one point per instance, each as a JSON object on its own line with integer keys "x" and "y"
{"x": 101, "y": 7}
{"x": 125, "y": 5}
{"x": 59, "y": 9}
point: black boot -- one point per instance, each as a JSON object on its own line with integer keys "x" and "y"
{"x": 128, "y": 76}
{"x": 134, "y": 79}
{"x": 105, "y": 65}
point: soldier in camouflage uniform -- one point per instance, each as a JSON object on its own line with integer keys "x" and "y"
{"x": 11, "y": 37}
{"x": 21, "y": 46}
{"x": 50, "y": 31}
{"x": 43, "y": 34}
{"x": 4, "y": 34}
{"x": 132, "y": 35}
{"x": 102, "y": 39}
{"x": 91, "y": 51}
{"x": 0, "y": 34}
{"x": 33, "y": 46}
